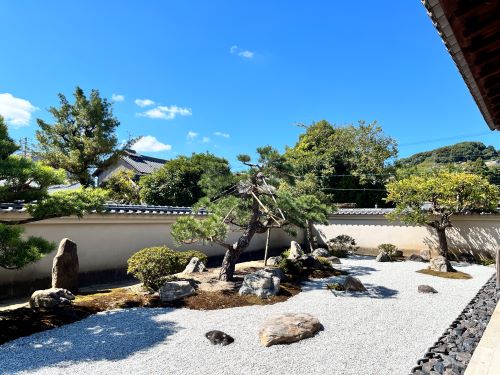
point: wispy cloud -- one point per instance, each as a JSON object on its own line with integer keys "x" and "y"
{"x": 191, "y": 135}
{"x": 164, "y": 112}
{"x": 149, "y": 143}
{"x": 144, "y": 102}
{"x": 117, "y": 98}
{"x": 16, "y": 111}
{"x": 223, "y": 135}
{"x": 246, "y": 54}
{"x": 205, "y": 140}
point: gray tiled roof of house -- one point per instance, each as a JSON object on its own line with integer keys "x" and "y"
{"x": 118, "y": 209}
{"x": 362, "y": 211}
{"x": 143, "y": 164}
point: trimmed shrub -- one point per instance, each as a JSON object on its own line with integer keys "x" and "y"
{"x": 342, "y": 245}
{"x": 154, "y": 265}
{"x": 388, "y": 248}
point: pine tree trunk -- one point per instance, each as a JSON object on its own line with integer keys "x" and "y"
{"x": 310, "y": 245}
{"x": 443, "y": 247}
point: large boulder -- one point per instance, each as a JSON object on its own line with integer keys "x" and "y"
{"x": 295, "y": 251}
{"x": 426, "y": 254}
{"x": 383, "y": 257}
{"x": 65, "y": 266}
{"x": 275, "y": 272}
{"x": 288, "y": 328}
{"x": 416, "y": 258}
{"x": 263, "y": 283}
{"x": 440, "y": 264}
{"x": 195, "y": 265}
{"x": 320, "y": 252}
{"x": 51, "y": 298}
{"x": 353, "y": 284}
{"x": 397, "y": 253}
{"x": 174, "y": 290}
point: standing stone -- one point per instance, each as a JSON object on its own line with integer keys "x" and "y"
{"x": 288, "y": 328}
{"x": 383, "y": 257}
{"x": 440, "y": 264}
{"x": 65, "y": 266}
{"x": 195, "y": 265}
{"x": 295, "y": 251}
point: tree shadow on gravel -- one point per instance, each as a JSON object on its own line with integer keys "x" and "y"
{"x": 113, "y": 335}
{"x": 373, "y": 291}
{"x": 358, "y": 270}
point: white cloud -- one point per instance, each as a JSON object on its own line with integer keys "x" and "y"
{"x": 166, "y": 112}
{"x": 235, "y": 50}
{"x": 149, "y": 143}
{"x": 144, "y": 102}
{"x": 205, "y": 140}
{"x": 16, "y": 111}
{"x": 223, "y": 135}
{"x": 117, "y": 98}
{"x": 191, "y": 135}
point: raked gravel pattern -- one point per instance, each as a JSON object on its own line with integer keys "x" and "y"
{"x": 383, "y": 331}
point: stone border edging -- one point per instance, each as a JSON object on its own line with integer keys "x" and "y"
{"x": 453, "y": 350}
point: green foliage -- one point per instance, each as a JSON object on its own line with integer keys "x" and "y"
{"x": 153, "y": 265}
{"x": 433, "y": 199}
{"x": 342, "y": 245}
{"x": 16, "y": 252}
{"x": 82, "y": 138}
{"x": 388, "y": 248}
{"x": 122, "y": 188}
{"x": 184, "y": 180}
{"x": 457, "y": 153}
{"x": 22, "y": 179}
{"x": 290, "y": 267}
{"x": 325, "y": 263}
{"x": 350, "y": 157}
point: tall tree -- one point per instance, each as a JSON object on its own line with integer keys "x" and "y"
{"x": 122, "y": 188}
{"x": 180, "y": 181}
{"x": 349, "y": 164}
{"x": 82, "y": 137}
{"x": 253, "y": 204}
{"x": 434, "y": 199}
{"x": 25, "y": 180}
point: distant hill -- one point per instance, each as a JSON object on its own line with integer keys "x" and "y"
{"x": 457, "y": 153}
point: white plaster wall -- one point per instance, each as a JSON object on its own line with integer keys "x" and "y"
{"x": 106, "y": 242}
{"x": 478, "y": 233}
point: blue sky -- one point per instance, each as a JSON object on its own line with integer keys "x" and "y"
{"x": 229, "y": 76}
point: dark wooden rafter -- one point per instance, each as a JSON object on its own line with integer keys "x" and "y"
{"x": 470, "y": 30}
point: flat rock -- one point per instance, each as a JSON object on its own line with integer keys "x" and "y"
{"x": 288, "y": 328}
{"x": 274, "y": 261}
{"x": 353, "y": 284}
{"x": 195, "y": 265}
{"x": 51, "y": 298}
{"x": 416, "y": 258}
{"x": 426, "y": 289}
{"x": 174, "y": 290}
{"x": 334, "y": 260}
{"x": 320, "y": 252}
{"x": 65, "y": 266}
{"x": 295, "y": 251}
{"x": 219, "y": 338}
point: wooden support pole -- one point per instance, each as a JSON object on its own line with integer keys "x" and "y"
{"x": 267, "y": 246}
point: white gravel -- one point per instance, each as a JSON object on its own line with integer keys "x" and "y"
{"x": 382, "y": 332}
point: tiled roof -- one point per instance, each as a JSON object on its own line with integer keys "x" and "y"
{"x": 362, "y": 211}
{"x": 119, "y": 209}
{"x": 143, "y": 164}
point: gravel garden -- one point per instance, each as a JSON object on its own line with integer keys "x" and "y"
{"x": 385, "y": 329}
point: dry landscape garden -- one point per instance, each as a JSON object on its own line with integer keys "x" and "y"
{"x": 317, "y": 305}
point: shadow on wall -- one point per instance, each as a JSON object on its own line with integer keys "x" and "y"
{"x": 111, "y": 336}
{"x": 478, "y": 241}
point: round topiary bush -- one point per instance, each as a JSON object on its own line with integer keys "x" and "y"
{"x": 153, "y": 265}
{"x": 342, "y": 245}
{"x": 388, "y": 248}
